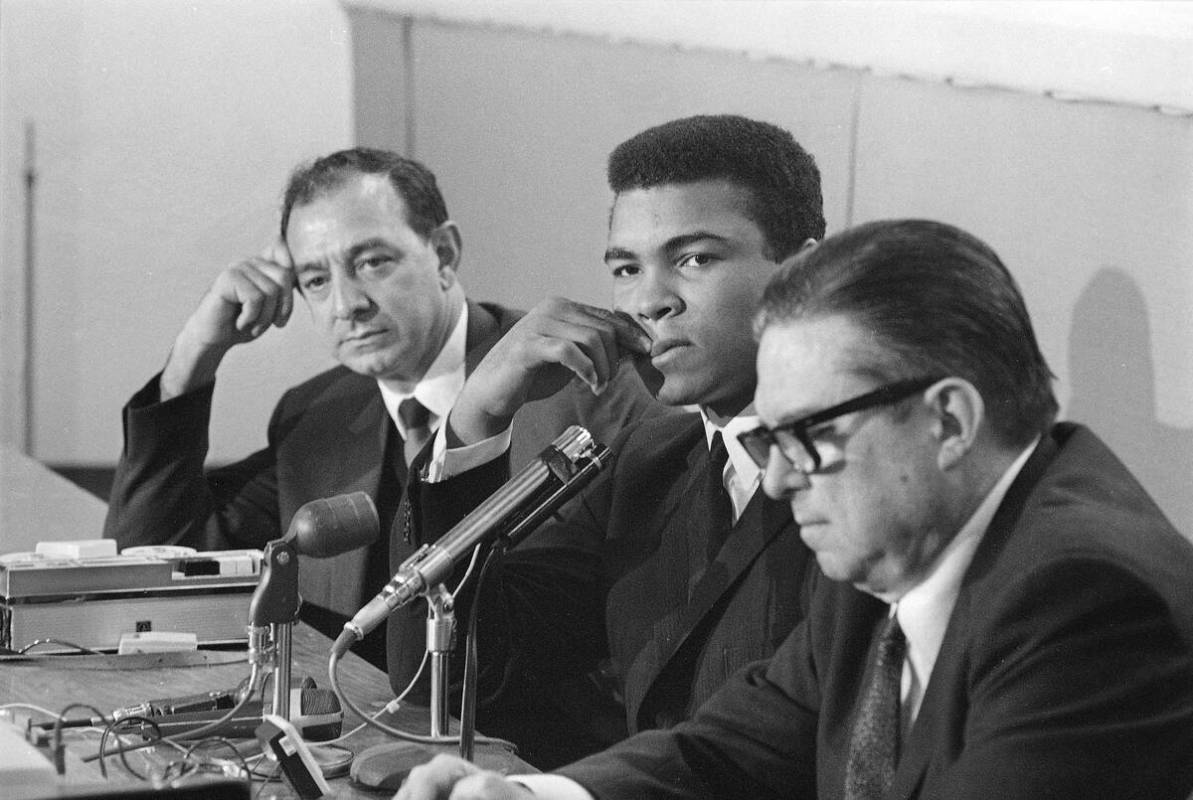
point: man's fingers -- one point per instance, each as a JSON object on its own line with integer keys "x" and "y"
{"x": 580, "y": 362}
{"x": 630, "y": 335}
{"x": 270, "y": 293}
{"x": 278, "y": 265}
{"x": 435, "y": 779}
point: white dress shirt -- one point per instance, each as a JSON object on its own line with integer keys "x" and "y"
{"x": 742, "y": 476}
{"x": 438, "y": 388}
{"x": 924, "y": 611}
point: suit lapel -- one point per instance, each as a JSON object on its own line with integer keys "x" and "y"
{"x": 485, "y": 327}
{"x": 760, "y": 523}
{"x": 924, "y": 741}
{"x": 762, "y": 520}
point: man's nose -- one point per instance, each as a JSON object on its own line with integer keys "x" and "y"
{"x": 655, "y": 297}
{"x": 781, "y": 480}
{"x": 348, "y": 300}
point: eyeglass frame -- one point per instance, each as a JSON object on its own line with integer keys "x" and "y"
{"x": 763, "y": 435}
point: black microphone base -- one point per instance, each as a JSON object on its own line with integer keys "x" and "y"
{"x": 385, "y": 766}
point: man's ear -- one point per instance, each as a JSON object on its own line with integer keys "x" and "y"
{"x": 449, "y": 247}
{"x": 808, "y": 244}
{"x": 959, "y": 413}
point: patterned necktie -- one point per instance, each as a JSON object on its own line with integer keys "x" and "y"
{"x": 415, "y": 418}
{"x": 874, "y": 742}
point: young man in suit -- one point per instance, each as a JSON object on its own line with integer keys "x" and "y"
{"x": 673, "y": 570}
{"x": 1006, "y": 612}
{"x": 366, "y": 240}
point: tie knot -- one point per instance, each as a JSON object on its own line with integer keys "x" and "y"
{"x": 414, "y": 415}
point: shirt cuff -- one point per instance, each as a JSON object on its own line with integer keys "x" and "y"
{"x": 552, "y": 787}
{"x": 446, "y": 463}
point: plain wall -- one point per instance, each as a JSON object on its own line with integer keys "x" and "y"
{"x": 166, "y": 130}
{"x": 1090, "y": 204}
{"x": 164, "y": 133}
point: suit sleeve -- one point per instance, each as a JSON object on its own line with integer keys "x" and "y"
{"x": 756, "y": 737}
{"x": 541, "y": 613}
{"x": 162, "y": 494}
{"x": 1085, "y": 691}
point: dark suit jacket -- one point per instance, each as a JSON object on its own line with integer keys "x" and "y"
{"x": 327, "y": 436}
{"x": 611, "y": 578}
{"x": 1066, "y": 670}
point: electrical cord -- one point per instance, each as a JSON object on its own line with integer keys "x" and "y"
{"x": 61, "y": 643}
{"x": 254, "y": 680}
{"x": 397, "y": 733}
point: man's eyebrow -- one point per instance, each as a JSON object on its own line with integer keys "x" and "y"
{"x": 687, "y": 239}
{"x": 350, "y": 255}
{"x": 671, "y": 245}
{"x": 619, "y": 254}
{"x": 372, "y": 243}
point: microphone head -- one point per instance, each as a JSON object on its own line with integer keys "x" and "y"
{"x": 334, "y": 525}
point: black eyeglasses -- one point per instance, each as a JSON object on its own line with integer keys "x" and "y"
{"x": 793, "y": 439}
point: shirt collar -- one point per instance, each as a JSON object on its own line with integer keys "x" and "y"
{"x": 925, "y": 610}
{"x": 439, "y": 387}
{"x": 743, "y": 467}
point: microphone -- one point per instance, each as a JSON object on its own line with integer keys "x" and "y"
{"x": 517, "y": 508}
{"x": 334, "y": 525}
{"x": 207, "y": 701}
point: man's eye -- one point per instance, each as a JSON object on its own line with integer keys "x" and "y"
{"x": 373, "y": 262}
{"x": 697, "y": 260}
{"x": 625, "y": 270}
{"x": 313, "y": 283}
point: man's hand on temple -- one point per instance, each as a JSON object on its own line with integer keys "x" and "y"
{"x": 450, "y": 778}
{"x": 558, "y": 340}
{"x": 244, "y": 301}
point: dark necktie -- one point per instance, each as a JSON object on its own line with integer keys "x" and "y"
{"x": 715, "y": 518}
{"x": 415, "y": 418}
{"x": 874, "y": 742}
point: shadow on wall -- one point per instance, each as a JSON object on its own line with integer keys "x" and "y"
{"x": 1113, "y": 391}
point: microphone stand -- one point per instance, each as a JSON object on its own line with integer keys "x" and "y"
{"x": 558, "y": 473}
{"x": 272, "y": 613}
{"x": 441, "y": 629}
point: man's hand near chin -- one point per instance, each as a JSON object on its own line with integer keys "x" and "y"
{"x": 557, "y": 341}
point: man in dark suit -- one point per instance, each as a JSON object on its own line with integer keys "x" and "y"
{"x": 366, "y": 239}
{"x": 1006, "y": 612}
{"x": 673, "y": 570}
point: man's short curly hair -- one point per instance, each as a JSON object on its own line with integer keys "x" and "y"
{"x": 764, "y": 159}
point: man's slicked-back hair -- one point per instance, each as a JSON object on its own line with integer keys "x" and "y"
{"x": 764, "y": 159}
{"x": 414, "y": 183}
{"x": 933, "y": 300}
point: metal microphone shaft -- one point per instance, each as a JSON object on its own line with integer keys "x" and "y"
{"x": 542, "y": 486}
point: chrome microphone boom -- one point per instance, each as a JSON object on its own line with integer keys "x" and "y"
{"x": 561, "y": 470}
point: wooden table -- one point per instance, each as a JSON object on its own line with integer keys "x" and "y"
{"x": 109, "y": 682}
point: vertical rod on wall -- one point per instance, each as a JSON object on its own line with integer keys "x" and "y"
{"x": 408, "y": 83}
{"x": 854, "y": 126}
{"x": 30, "y": 297}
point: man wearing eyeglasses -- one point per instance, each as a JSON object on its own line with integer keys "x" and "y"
{"x": 1008, "y": 614}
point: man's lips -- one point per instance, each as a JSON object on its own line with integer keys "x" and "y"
{"x": 360, "y": 336}
{"x": 662, "y": 346}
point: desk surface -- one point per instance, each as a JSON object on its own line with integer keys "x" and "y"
{"x": 110, "y": 682}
